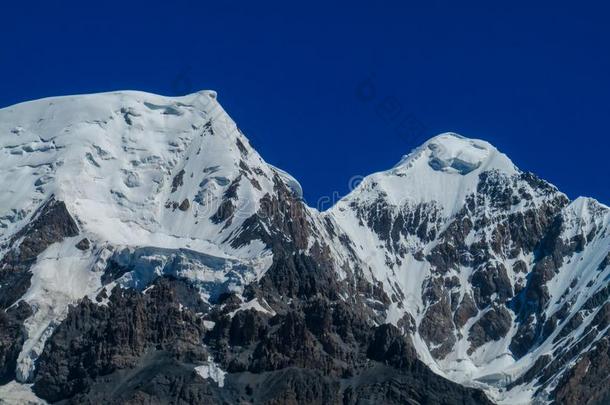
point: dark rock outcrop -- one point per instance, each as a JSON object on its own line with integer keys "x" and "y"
{"x": 50, "y": 223}
{"x": 143, "y": 347}
{"x": 83, "y": 244}
{"x": 437, "y": 327}
{"x": 586, "y": 382}
{"x": 493, "y": 325}
{"x": 97, "y": 340}
{"x": 12, "y": 337}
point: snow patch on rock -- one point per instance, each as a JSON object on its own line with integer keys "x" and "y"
{"x": 61, "y": 275}
{"x": 15, "y": 393}
{"x": 212, "y": 371}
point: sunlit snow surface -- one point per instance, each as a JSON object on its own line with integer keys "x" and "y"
{"x": 112, "y": 159}
{"x": 429, "y": 174}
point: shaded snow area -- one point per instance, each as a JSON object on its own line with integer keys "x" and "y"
{"x": 213, "y": 275}
{"x": 212, "y": 371}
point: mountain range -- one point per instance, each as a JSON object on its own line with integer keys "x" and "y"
{"x": 148, "y": 254}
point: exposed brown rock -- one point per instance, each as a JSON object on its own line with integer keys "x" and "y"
{"x": 493, "y": 325}
{"x": 586, "y": 382}
{"x": 98, "y": 340}
{"x": 437, "y": 328}
{"x": 466, "y": 310}
{"x": 184, "y": 205}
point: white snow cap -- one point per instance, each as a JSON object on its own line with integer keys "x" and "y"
{"x": 453, "y": 153}
{"x": 444, "y": 170}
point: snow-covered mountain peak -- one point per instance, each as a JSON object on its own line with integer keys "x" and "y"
{"x": 145, "y": 181}
{"x": 444, "y": 171}
{"x": 469, "y": 244}
{"x": 455, "y": 154}
{"x": 149, "y": 165}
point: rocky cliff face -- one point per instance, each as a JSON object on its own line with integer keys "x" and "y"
{"x": 149, "y": 254}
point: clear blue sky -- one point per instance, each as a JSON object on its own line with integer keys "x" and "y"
{"x": 328, "y": 91}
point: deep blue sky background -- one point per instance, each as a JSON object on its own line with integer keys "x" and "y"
{"x": 532, "y": 79}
